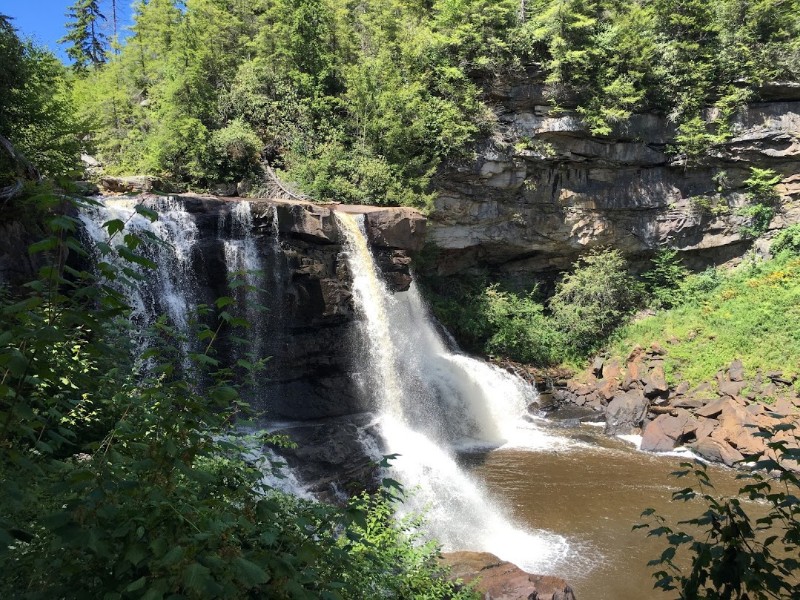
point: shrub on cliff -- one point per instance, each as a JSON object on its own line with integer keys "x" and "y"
{"x": 594, "y": 299}
{"x": 787, "y": 241}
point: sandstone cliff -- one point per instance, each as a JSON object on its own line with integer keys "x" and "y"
{"x": 543, "y": 190}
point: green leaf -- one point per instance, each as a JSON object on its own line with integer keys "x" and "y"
{"x": 198, "y": 578}
{"x": 224, "y": 394}
{"x": 136, "y": 585}
{"x": 43, "y": 246}
{"x": 114, "y": 226}
{"x": 147, "y": 212}
{"x": 249, "y": 573}
{"x": 172, "y": 556}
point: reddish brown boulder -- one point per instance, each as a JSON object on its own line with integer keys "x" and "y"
{"x": 655, "y": 382}
{"x": 712, "y": 409}
{"x": 607, "y": 388}
{"x": 500, "y": 580}
{"x": 731, "y": 388}
{"x": 705, "y": 427}
{"x": 666, "y": 431}
{"x": 717, "y": 451}
{"x": 654, "y": 436}
{"x": 612, "y": 370}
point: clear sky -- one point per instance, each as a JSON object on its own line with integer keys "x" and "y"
{"x": 44, "y": 20}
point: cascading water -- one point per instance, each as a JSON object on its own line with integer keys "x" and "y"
{"x": 432, "y": 403}
{"x": 170, "y": 287}
{"x": 243, "y": 260}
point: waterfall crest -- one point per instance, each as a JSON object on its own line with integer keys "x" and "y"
{"x": 434, "y": 402}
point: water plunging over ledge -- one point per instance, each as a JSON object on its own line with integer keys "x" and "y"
{"x": 434, "y": 403}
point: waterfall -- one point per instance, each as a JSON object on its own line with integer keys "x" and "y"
{"x": 168, "y": 289}
{"x": 434, "y": 403}
{"x": 244, "y": 263}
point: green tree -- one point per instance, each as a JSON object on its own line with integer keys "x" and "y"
{"x": 665, "y": 278}
{"x": 594, "y": 299}
{"x": 37, "y": 115}
{"x": 87, "y": 42}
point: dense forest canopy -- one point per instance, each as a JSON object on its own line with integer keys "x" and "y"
{"x": 364, "y": 101}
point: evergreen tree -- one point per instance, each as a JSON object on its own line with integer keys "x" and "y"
{"x": 87, "y": 44}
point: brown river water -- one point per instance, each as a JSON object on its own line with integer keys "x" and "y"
{"x": 592, "y": 492}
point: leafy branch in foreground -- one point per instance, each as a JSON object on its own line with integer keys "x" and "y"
{"x": 745, "y": 547}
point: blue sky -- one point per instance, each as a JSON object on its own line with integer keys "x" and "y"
{"x": 44, "y": 20}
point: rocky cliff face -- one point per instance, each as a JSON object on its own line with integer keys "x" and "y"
{"x": 309, "y": 325}
{"x": 543, "y": 190}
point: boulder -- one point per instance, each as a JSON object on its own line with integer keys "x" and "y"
{"x": 86, "y": 188}
{"x": 712, "y": 409}
{"x": 666, "y": 432}
{"x": 736, "y": 371}
{"x": 330, "y": 454}
{"x": 612, "y": 370}
{"x": 655, "y": 437}
{"x": 731, "y": 388}
{"x": 625, "y": 413}
{"x": 717, "y": 451}
{"x": 132, "y": 184}
{"x": 397, "y": 228}
{"x": 223, "y": 188}
{"x": 597, "y": 366}
{"x": 655, "y": 382}
{"x": 501, "y": 580}
{"x": 705, "y": 427}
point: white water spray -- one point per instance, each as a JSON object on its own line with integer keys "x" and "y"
{"x": 170, "y": 287}
{"x": 434, "y": 402}
{"x": 244, "y": 262}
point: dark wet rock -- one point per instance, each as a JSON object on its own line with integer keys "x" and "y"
{"x": 500, "y": 580}
{"x": 597, "y": 366}
{"x": 330, "y": 456}
{"x": 625, "y": 413}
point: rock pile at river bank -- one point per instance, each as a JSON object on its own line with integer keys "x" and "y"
{"x": 726, "y": 420}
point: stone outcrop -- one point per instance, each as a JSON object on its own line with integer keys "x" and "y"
{"x": 497, "y": 579}
{"x": 133, "y": 184}
{"x": 543, "y": 190}
{"x": 714, "y": 419}
{"x": 329, "y": 455}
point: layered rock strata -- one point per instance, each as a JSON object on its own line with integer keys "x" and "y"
{"x": 309, "y": 325}
{"x": 543, "y": 190}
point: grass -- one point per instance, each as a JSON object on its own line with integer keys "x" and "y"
{"x": 752, "y": 315}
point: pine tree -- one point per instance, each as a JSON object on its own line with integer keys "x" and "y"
{"x": 87, "y": 44}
